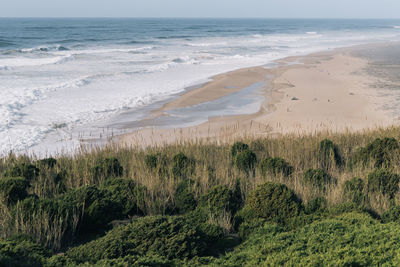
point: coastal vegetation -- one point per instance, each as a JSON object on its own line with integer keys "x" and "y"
{"x": 323, "y": 199}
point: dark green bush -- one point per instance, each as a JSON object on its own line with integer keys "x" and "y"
{"x": 274, "y": 202}
{"x": 391, "y": 215}
{"x": 220, "y": 198}
{"x": 21, "y": 251}
{"x": 184, "y": 196}
{"x": 245, "y": 160}
{"x": 317, "y": 178}
{"x": 98, "y": 207}
{"x": 108, "y": 168}
{"x": 275, "y": 166}
{"x": 169, "y": 237}
{"x": 182, "y": 166}
{"x": 49, "y": 162}
{"x": 28, "y": 171}
{"x": 126, "y": 195}
{"x": 13, "y": 189}
{"x": 318, "y": 204}
{"x": 353, "y": 191}
{"x": 379, "y": 152}
{"x": 238, "y": 147}
{"x": 384, "y": 182}
{"x": 329, "y": 151}
{"x": 151, "y": 161}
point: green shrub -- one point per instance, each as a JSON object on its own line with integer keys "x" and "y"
{"x": 328, "y": 152}
{"x": 245, "y": 160}
{"x": 238, "y": 147}
{"x": 108, "y": 168}
{"x": 13, "y": 189}
{"x": 169, "y": 237}
{"x": 317, "y": 178}
{"x": 274, "y": 202}
{"x": 25, "y": 170}
{"x": 384, "y": 182}
{"x": 275, "y": 166}
{"x": 351, "y": 239}
{"x": 379, "y": 152}
{"x": 182, "y": 166}
{"x": 98, "y": 207}
{"x": 184, "y": 196}
{"x": 126, "y": 195}
{"x": 391, "y": 215}
{"x": 220, "y": 198}
{"x": 21, "y": 251}
{"x": 151, "y": 161}
{"x": 318, "y": 204}
{"x": 353, "y": 191}
{"x": 49, "y": 162}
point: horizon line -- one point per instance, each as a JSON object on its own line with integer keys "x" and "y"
{"x": 128, "y": 17}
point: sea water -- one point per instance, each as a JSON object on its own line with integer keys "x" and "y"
{"x": 63, "y": 76}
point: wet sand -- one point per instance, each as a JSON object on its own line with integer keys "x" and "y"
{"x": 329, "y": 91}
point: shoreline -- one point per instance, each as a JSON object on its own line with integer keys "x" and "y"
{"x": 339, "y": 99}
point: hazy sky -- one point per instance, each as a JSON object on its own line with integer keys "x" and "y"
{"x": 202, "y": 8}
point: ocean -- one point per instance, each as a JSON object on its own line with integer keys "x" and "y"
{"x": 61, "y": 79}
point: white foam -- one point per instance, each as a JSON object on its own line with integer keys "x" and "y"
{"x": 82, "y": 89}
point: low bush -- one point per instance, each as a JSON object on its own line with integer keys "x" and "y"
{"x": 13, "y": 189}
{"x": 246, "y": 160}
{"x": 184, "y": 196}
{"x": 353, "y": 191}
{"x": 275, "y": 202}
{"x": 238, "y": 147}
{"x": 108, "y": 168}
{"x": 328, "y": 153}
{"x": 182, "y": 166}
{"x": 379, "y": 152}
{"x": 384, "y": 182}
{"x": 151, "y": 161}
{"x": 219, "y": 199}
{"x": 317, "y": 178}
{"x": 21, "y": 251}
{"x": 25, "y": 170}
{"x": 48, "y": 162}
{"x": 391, "y": 215}
{"x": 317, "y": 205}
{"x": 275, "y": 166}
{"x": 169, "y": 237}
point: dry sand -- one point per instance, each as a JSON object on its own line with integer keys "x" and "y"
{"x": 327, "y": 91}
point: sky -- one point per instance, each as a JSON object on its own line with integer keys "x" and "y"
{"x": 202, "y": 8}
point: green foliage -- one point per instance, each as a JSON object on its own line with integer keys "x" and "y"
{"x": 353, "y": 191}
{"x": 219, "y": 199}
{"x": 13, "y": 189}
{"x": 151, "y": 161}
{"x": 384, "y": 182}
{"x": 238, "y": 147}
{"x": 184, "y": 196}
{"x": 275, "y": 166}
{"x": 275, "y": 202}
{"x": 318, "y": 204}
{"x": 182, "y": 166}
{"x": 317, "y": 178}
{"x": 126, "y": 195}
{"x": 328, "y": 152}
{"x": 379, "y": 152}
{"x": 351, "y": 239}
{"x": 49, "y": 162}
{"x": 245, "y": 160}
{"x": 391, "y": 215}
{"x": 25, "y": 170}
{"x": 21, "y": 251}
{"x": 169, "y": 237}
{"x": 108, "y": 168}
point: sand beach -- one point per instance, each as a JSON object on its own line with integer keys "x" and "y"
{"x": 323, "y": 92}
